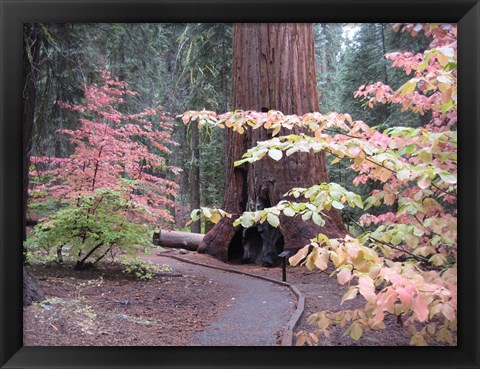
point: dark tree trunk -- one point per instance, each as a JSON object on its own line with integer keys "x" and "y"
{"x": 31, "y": 58}
{"x": 274, "y": 68}
{"x": 31, "y": 292}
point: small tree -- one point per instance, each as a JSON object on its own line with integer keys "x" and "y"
{"x": 114, "y": 180}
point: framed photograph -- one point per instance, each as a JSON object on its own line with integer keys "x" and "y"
{"x": 139, "y": 183}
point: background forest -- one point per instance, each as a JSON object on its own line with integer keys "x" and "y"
{"x": 188, "y": 67}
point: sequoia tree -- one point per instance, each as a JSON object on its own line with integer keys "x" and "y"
{"x": 273, "y": 69}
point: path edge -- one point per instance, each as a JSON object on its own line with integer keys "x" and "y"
{"x": 287, "y": 338}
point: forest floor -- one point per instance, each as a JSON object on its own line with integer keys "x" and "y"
{"x": 321, "y": 293}
{"x": 186, "y": 305}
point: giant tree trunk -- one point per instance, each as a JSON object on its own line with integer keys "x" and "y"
{"x": 273, "y": 68}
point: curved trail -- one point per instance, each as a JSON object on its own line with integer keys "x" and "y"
{"x": 258, "y": 310}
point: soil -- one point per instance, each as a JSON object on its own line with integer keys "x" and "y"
{"x": 100, "y": 308}
{"x": 188, "y": 306}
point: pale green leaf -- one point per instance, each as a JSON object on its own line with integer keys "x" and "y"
{"x": 317, "y": 219}
{"x": 275, "y": 154}
{"x": 273, "y": 220}
{"x": 337, "y": 205}
{"x": 289, "y": 212}
{"x": 247, "y": 220}
{"x": 449, "y": 178}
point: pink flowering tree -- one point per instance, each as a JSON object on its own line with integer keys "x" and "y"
{"x": 403, "y": 262}
{"x": 113, "y": 183}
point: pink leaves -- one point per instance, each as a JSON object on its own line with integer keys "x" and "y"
{"x": 344, "y": 276}
{"x": 420, "y": 308}
{"x": 406, "y": 293}
{"x": 109, "y": 155}
{"x": 366, "y": 288}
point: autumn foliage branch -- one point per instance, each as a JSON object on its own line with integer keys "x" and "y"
{"x": 404, "y": 262}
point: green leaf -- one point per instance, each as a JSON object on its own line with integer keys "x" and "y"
{"x": 247, "y": 220}
{"x": 403, "y": 174}
{"x": 397, "y": 239}
{"x": 240, "y": 162}
{"x": 275, "y": 154}
{"x": 449, "y": 178}
{"x": 447, "y": 51}
{"x": 337, "y": 205}
{"x": 447, "y": 106}
{"x": 357, "y": 200}
{"x": 289, "y": 212}
{"x": 206, "y": 212}
{"x": 307, "y": 215}
{"x": 317, "y": 219}
{"x": 273, "y": 220}
{"x": 194, "y": 215}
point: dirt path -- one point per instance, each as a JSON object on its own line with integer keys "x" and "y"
{"x": 258, "y": 312}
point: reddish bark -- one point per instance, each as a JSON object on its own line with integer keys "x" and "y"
{"x": 273, "y": 68}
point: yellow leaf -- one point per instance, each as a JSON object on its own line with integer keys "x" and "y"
{"x": 350, "y": 294}
{"x": 407, "y": 88}
{"x": 418, "y": 340}
{"x": 276, "y": 130}
{"x": 299, "y": 256}
{"x": 448, "y": 312}
{"x": 321, "y": 261}
{"x": 442, "y": 59}
{"x": 301, "y": 340}
{"x": 389, "y": 198}
{"x": 385, "y": 175}
{"x": 356, "y": 331}
{"x": 310, "y": 262}
{"x": 323, "y": 323}
{"x": 215, "y": 217}
{"x": 358, "y": 160}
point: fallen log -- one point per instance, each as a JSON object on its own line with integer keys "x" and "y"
{"x": 178, "y": 240}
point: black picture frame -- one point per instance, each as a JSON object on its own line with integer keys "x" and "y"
{"x": 14, "y": 13}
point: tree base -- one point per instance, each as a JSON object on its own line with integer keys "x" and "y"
{"x": 31, "y": 292}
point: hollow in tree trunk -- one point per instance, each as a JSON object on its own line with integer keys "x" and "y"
{"x": 273, "y": 68}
